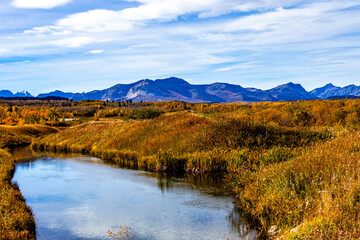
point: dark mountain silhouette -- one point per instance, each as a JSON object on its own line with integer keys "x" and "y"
{"x": 56, "y": 93}
{"x": 6, "y": 93}
{"x": 343, "y": 97}
{"x": 34, "y": 98}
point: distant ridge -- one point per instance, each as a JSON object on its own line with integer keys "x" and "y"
{"x": 330, "y": 90}
{"x": 56, "y": 93}
{"x": 33, "y": 98}
{"x": 178, "y": 89}
{"x": 174, "y": 88}
{"x": 343, "y": 97}
{"x": 7, "y": 93}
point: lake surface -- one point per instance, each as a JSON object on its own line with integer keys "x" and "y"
{"x": 80, "y": 197}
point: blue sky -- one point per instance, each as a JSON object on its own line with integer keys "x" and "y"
{"x": 82, "y": 45}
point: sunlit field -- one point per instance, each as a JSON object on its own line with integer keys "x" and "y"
{"x": 293, "y": 166}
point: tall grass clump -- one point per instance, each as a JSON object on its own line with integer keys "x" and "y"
{"x": 315, "y": 195}
{"x": 144, "y": 113}
{"x": 234, "y": 134}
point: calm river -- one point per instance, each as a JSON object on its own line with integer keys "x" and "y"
{"x": 80, "y": 197}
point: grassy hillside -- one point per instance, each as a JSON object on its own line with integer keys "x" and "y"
{"x": 14, "y": 136}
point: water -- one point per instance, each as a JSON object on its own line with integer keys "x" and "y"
{"x": 80, "y": 197}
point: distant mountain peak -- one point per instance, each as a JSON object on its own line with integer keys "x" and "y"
{"x": 143, "y": 83}
{"x": 23, "y": 94}
{"x": 290, "y": 86}
{"x": 290, "y": 92}
{"x": 6, "y": 93}
{"x": 325, "y": 91}
{"x": 172, "y": 80}
{"x": 329, "y": 85}
{"x": 296, "y": 85}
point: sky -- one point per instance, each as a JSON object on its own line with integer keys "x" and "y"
{"x": 83, "y": 45}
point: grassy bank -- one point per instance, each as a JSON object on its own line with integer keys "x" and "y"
{"x": 315, "y": 195}
{"x": 176, "y": 142}
{"x": 16, "y": 219}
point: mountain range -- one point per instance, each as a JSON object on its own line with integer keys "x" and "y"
{"x": 178, "y": 89}
{"x": 7, "y": 93}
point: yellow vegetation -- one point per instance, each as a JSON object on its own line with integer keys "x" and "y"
{"x": 293, "y": 165}
{"x": 174, "y": 142}
{"x": 16, "y": 220}
{"x": 12, "y": 136}
{"x": 316, "y": 195}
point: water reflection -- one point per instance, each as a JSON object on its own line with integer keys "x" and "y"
{"x": 207, "y": 183}
{"x": 79, "y": 197}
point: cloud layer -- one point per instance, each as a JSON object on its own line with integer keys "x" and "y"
{"x": 46, "y": 4}
{"x": 249, "y": 42}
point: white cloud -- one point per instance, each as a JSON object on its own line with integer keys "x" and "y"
{"x": 246, "y": 65}
{"x": 46, "y": 4}
{"x": 311, "y": 22}
{"x": 74, "y": 42}
{"x": 102, "y": 20}
{"x": 99, "y": 20}
{"x": 171, "y": 9}
{"x": 166, "y": 10}
{"x": 93, "y": 21}
{"x": 3, "y": 50}
{"x": 97, "y": 51}
{"x": 281, "y": 18}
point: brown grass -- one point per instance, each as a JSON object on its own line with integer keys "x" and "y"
{"x": 16, "y": 219}
{"x": 173, "y": 142}
{"x": 12, "y": 136}
{"x": 314, "y": 196}
{"x": 289, "y": 181}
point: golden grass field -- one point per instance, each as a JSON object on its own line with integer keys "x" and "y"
{"x": 292, "y": 165}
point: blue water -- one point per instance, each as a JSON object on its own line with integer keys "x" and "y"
{"x": 82, "y": 198}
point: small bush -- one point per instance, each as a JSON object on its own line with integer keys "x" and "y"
{"x": 144, "y": 113}
{"x": 236, "y": 134}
